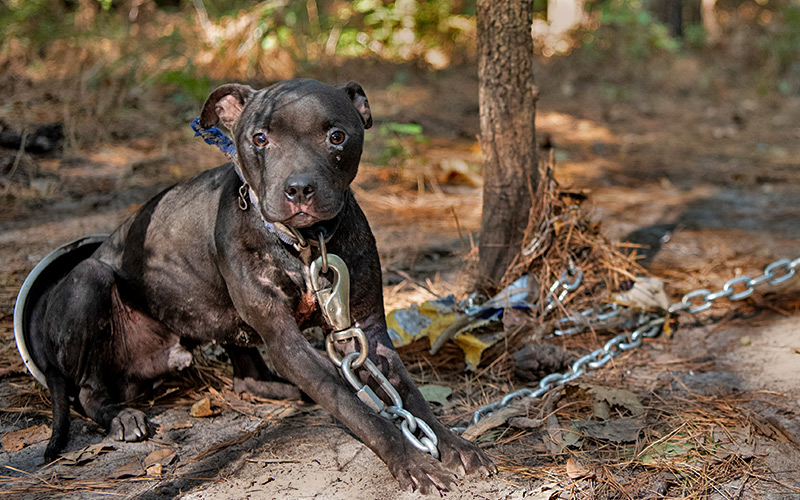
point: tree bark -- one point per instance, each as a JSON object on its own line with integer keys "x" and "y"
{"x": 507, "y": 99}
{"x": 710, "y": 22}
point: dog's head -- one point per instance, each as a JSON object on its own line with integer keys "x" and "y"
{"x": 298, "y": 144}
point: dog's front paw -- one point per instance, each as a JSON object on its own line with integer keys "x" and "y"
{"x": 421, "y": 472}
{"x": 129, "y": 425}
{"x": 464, "y": 457}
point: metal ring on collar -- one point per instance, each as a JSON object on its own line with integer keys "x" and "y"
{"x": 343, "y": 336}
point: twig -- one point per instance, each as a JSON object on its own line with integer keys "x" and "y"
{"x": 17, "y": 159}
{"x": 553, "y": 427}
{"x": 266, "y": 462}
{"x": 413, "y": 282}
{"x": 202, "y": 15}
{"x": 231, "y": 442}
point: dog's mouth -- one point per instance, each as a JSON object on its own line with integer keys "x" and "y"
{"x": 302, "y": 220}
{"x": 306, "y": 215}
{"x": 301, "y": 216}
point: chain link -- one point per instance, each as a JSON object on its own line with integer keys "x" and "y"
{"x": 565, "y": 284}
{"x": 335, "y": 304}
{"x": 648, "y": 325}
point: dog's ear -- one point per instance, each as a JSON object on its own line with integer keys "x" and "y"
{"x": 225, "y": 105}
{"x": 359, "y": 98}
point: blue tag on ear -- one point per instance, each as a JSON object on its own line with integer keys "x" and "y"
{"x": 215, "y": 137}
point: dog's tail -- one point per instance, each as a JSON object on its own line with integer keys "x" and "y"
{"x": 57, "y": 384}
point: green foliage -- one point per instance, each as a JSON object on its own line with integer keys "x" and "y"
{"x": 395, "y": 143}
{"x": 763, "y": 40}
{"x": 279, "y": 38}
{"x": 782, "y": 44}
{"x": 32, "y": 21}
{"x": 695, "y": 36}
{"x": 191, "y": 89}
{"x": 401, "y": 29}
{"x": 627, "y": 24}
{"x": 411, "y": 129}
{"x": 404, "y": 29}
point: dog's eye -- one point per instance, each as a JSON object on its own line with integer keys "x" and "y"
{"x": 260, "y": 139}
{"x": 337, "y": 137}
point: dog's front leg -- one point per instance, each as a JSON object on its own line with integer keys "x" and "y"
{"x": 297, "y": 361}
{"x": 456, "y": 453}
{"x": 367, "y": 311}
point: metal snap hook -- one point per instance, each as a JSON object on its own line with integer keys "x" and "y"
{"x": 335, "y": 300}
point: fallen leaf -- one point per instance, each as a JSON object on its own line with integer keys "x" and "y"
{"x": 457, "y": 171}
{"x": 665, "y": 451}
{"x": 180, "y": 424}
{"x": 613, "y": 396}
{"x": 546, "y": 492}
{"x": 435, "y": 393}
{"x": 621, "y": 430}
{"x": 87, "y": 454}
{"x": 203, "y": 409}
{"x": 600, "y": 409}
{"x": 163, "y": 456}
{"x": 571, "y": 438}
{"x": 15, "y": 441}
{"x": 646, "y": 293}
{"x": 130, "y": 469}
{"x": 783, "y": 433}
{"x": 525, "y": 423}
{"x": 496, "y": 419}
{"x": 576, "y": 471}
{"x": 155, "y": 470}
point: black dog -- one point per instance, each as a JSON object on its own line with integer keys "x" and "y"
{"x": 211, "y": 259}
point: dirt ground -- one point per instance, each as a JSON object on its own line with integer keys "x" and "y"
{"x": 706, "y": 181}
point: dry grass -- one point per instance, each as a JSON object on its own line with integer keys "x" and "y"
{"x": 691, "y": 447}
{"x": 561, "y": 234}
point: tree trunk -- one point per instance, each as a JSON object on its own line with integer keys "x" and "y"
{"x": 507, "y": 99}
{"x": 710, "y": 22}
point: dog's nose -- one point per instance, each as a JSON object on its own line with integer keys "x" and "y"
{"x": 299, "y": 189}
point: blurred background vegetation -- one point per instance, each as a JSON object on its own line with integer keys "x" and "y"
{"x": 101, "y": 57}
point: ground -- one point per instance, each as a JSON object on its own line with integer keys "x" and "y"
{"x": 705, "y": 182}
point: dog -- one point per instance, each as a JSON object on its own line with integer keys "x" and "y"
{"x": 223, "y": 257}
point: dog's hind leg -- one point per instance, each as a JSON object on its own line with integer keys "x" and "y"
{"x": 60, "y": 399}
{"x": 80, "y": 324}
{"x": 251, "y": 374}
{"x": 122, "y": 423}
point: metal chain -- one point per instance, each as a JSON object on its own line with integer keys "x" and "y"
{"x": 565, "y": 285}
{"x": 648, "y": 325}
{"x": 775, "y": 274}
{"x": 409, "y": 423}
{"x": 335, "y": 304}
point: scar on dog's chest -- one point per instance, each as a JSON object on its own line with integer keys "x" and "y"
{"x": 306, "y": 307}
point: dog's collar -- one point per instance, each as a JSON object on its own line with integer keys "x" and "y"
{"x": 302, "y": 238}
